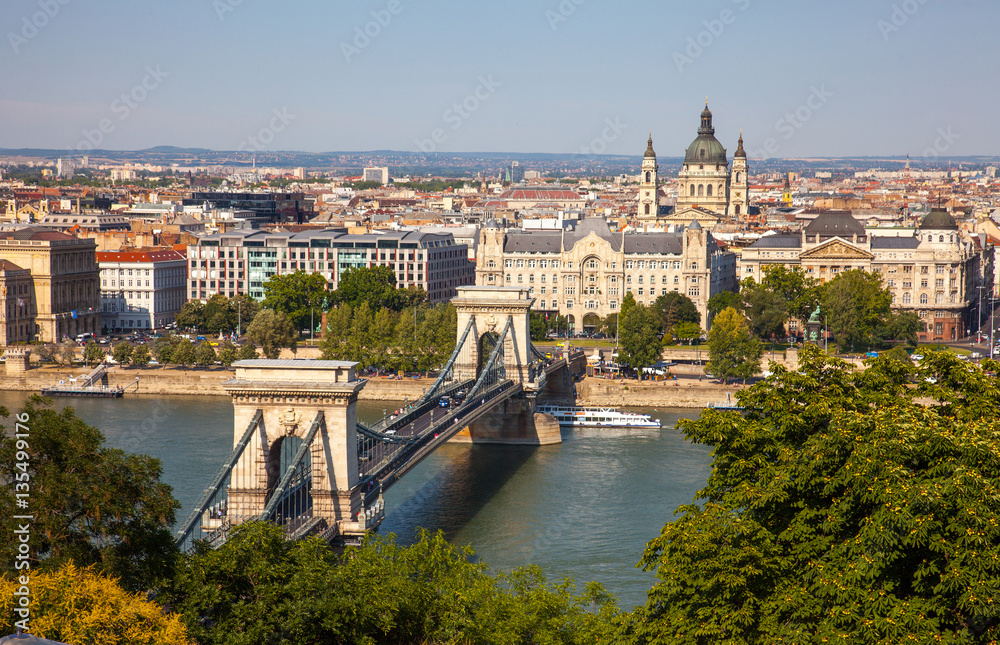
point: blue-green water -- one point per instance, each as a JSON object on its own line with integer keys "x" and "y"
{"x": 582, "y": 509}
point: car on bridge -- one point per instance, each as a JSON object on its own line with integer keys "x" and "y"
{"x": 444, "y": 402}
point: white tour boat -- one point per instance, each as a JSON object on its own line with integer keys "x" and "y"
{"x": 598, "y": 417}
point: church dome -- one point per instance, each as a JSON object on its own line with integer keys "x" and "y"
{"x": 706, "y": 148}
{"x": 649, "y": 148}
{"x": 939, "y": 221}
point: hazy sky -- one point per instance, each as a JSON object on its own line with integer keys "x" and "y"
{"x": 801, "y": 78}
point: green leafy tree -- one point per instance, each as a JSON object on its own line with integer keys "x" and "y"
{"x": 123, "y": 353}
{"x": 227, "y": 354}
{"x": 261, "y": 588}
{"x": 688, "y": 331}
{"x": 374, "y": 285}
{"x": 219, "y": 315}
{"x": 205, "y": 354}
{"x": 163, "y": 349}
{"x": 247, "y": 352}
{"x": 140, "y": 356}
{"x": 183, "y": 352}
{"x": 733, "y": 352}
{"x": 766, "y": 311}
{"x": 272, "y": 330}
{"x": 298, "y": 295}
{"x": 800, "y": 293}
{"x": 191, "y": 315}
{"x": 609, "y": 325}
{"x": 243, "y": 308}
{"x": 638, "y": 335}
{"x": 91, "y": 504}
{"x": 93, "y": 353}
{"x": 336, "y": 336}
{"x": 675, "y": 307}
{"x": 856, "y": 306}
{"x": 560, "y": 324}
{"x": 905, "y": 326}
{"x": 840, "y": 508}
{"x": 538, "y": 326}
{"x": 723, "y": 300}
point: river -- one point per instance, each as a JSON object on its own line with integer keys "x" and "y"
{"x": 583, "y": 509}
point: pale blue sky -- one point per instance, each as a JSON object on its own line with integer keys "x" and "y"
{"x": 922, "y": 80}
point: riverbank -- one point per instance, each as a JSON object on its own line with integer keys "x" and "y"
{"x": 686, "y": 392}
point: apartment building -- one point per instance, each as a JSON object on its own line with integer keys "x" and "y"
{"x": 142, "y": 288}
{"x": 240, "y": 262}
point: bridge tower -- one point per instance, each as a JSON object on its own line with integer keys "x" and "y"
{"x": 514, "y": 421}
{"x": 286, "y": 399}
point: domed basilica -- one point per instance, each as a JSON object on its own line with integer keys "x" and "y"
{"x": 708, "y": 189}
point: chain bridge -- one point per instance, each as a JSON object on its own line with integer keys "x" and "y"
{"x": 302, "y": 460}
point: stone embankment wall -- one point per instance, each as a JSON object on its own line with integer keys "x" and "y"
{"x": 683, "y": 393}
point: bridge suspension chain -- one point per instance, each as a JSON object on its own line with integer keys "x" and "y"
{"x": 213, "y": 501}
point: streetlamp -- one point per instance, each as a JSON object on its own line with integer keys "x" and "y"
{"x": 979, "y": 303}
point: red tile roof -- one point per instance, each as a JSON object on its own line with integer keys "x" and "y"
{"x": 140, "y": 255}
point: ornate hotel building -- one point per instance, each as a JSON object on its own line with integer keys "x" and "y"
{"x": 934, "y": 270}
{"x": 583, "y": 273}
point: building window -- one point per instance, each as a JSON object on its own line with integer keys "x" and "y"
{"x": 694, "y": 292}
{"x": 923, "y": 298}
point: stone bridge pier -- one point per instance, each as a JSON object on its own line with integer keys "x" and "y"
{"x": 288, "y": 394}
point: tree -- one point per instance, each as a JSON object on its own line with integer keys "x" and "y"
{"x": 723, "y": 300}
{"x": 247, "y": 353}
{"x": 244, "y": 308}
{"x": 272, "y": 330}
{"x": 140, "y": 356}
{"x": 337, "y": 334}
{"x": 123, "y": 353}
{"x": 297, "y": 295}
{"x": 856, "y": 306}
{"x": 91, "y": 504}
{"x": 675, "y": 307}
{"x": 732, "y": 351}
{"x": 374, "y": 285}
{"x": 261, "y": 588}
{"x": 93, "y": 353}
{"x": 904, "y": 326}
{"x": 66, "y": 352}
{"x": 609, "y": 326}
{"x": 184, "y": 352}
{"x": 103, "y": 612}
{"x": 205, "y": 354}
{"x": 538, "y": 326}
{"x": 163, "y": 349}
{"x": 191, "y": 315}
{"x": 227, "y": 354}
{"x": 800, "y": 293}
{"x": 688, "y": 331}
{"x": 766, "y": 311}
{"x": 638, "y": 336}
{"x": 839, "y": 508}
{"x": 219, "y": 315}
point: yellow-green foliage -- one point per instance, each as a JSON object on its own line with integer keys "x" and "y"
{"x": 78, "y": 606}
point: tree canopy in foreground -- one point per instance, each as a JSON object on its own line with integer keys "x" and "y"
{"x": 260, "y": 588}
{"x": 843, "y": 506}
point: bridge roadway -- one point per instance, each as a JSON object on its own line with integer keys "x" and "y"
{"x": 420, "y": 436}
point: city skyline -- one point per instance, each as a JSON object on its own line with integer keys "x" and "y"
{"x": 569, "y": 77}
